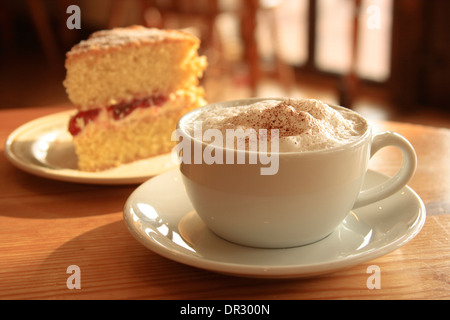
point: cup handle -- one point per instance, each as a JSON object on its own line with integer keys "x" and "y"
{"x": 402, "y": 177}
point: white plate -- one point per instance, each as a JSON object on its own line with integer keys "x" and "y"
{"x": 160, "y": 216}
{"x": 44, "y": 147}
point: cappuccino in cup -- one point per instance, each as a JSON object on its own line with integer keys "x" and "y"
{"x": 267, "y": 128}
{"x": 277, "y": 173}
{"x": 302, "y": 124}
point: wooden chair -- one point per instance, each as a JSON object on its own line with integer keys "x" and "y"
{"x": 53, "y": 40}
{"x": 349, "y": 83}
{"x": 172, "y": 13}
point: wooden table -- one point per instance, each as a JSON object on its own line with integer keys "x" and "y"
{"x": 47, "y": 226}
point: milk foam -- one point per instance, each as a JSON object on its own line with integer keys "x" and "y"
{"x": 303, "y": 124}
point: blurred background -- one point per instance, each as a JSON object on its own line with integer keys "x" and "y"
{"x": 388, "y": 59}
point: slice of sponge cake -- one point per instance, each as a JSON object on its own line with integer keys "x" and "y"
{"x": 130, "y": 86}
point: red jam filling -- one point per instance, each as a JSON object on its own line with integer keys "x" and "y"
{"x": 86, "y": 116}
{"x": 117, "y": 111}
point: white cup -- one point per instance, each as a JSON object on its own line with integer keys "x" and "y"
{"x": 309, "y": 196}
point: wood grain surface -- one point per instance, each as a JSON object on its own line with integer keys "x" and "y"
{"x": 47, "y": 226}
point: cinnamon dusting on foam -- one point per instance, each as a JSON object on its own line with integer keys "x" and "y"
{"x": 303, "y": 124}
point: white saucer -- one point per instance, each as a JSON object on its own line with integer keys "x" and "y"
{"x": 160, "y": 216}
{"x": 44, "y": 147}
